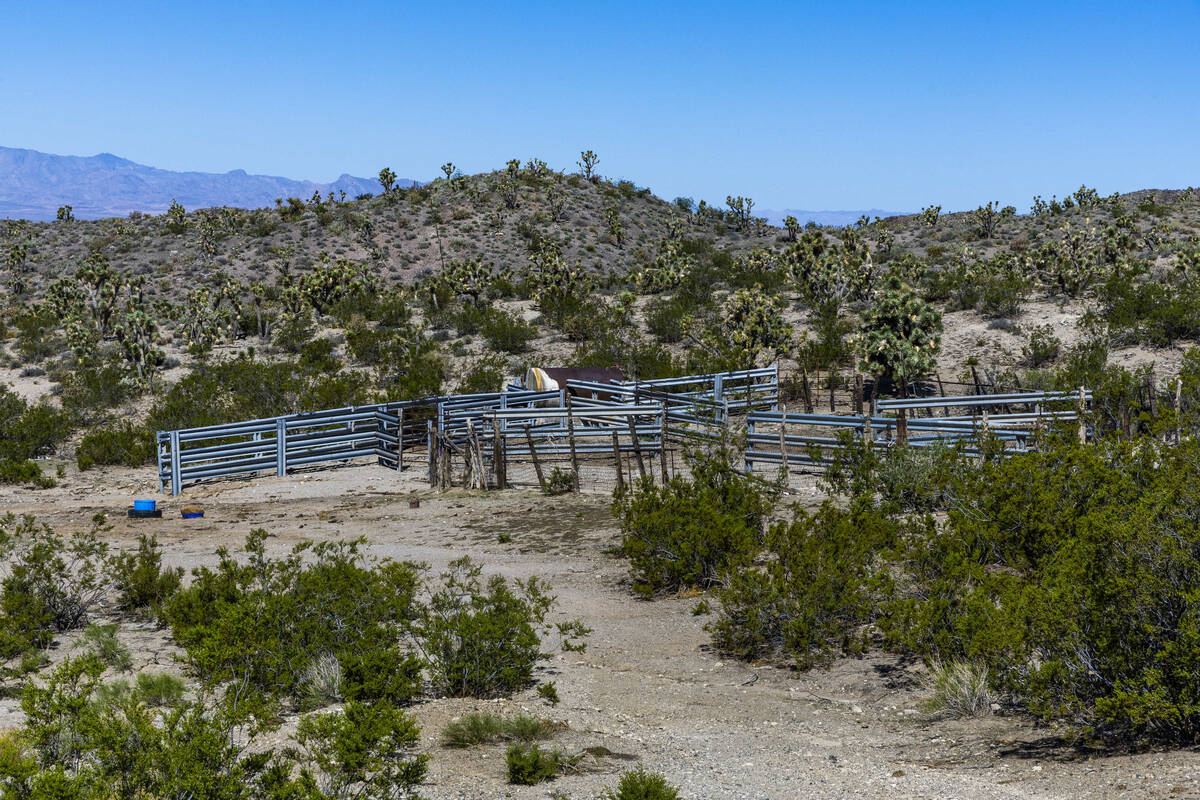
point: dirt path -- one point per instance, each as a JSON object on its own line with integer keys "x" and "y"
{"x": 648, "y": 689}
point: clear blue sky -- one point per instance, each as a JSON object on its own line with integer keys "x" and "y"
{"x": 814, "y": 106}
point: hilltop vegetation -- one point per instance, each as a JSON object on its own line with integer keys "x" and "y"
{"x": 329, "y": 301}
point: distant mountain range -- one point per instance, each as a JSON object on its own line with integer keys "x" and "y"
{"x": 834, "y": 218}
{"x": 34, "y": 185}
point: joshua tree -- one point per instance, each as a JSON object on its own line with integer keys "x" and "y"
{"x": 448, "y": 169}
{"x": 752, "y": 326}
{"x": 929, "y": 215}
{"x": 65, "y": 214}
{"x": 612, "y": 216}
{"x": 387, "y": 179}
{"x": 587, "y": 163}
{"x": 900, "y": 335}
{"x": 176, "y": 218}
{"x": 793, "y": 225}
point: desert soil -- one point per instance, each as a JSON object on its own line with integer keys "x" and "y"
{"x": 648, "y": 689}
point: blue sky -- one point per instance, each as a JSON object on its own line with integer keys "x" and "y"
{"x": 815, "y": 106}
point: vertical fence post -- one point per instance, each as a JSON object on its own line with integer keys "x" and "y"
{"x": 571, "y": 441}
{"x": 783, "y": 436}
{"x": 749, "y": 444}
{"x": 1178, "y": 407}
{"x": 499, "y": 455}
{"x": 637, "y": 445}
{"x": 431, "y": 448}
{"x": 858, "y": 393}
{"x": 281, "y": 447}
{"x": 718, "y": 387}
{"x": 1082, "y": 416}
{"x": 400, "y": 439}
{"x": 176, "y": 468}
{"x": 616, "y": 441}
{"x": 662, "y": 452}
{"x": 537, "y": 465}
{"x": 902, "y": 426}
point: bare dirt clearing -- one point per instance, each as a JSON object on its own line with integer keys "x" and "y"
{"x": 648, "y": 688}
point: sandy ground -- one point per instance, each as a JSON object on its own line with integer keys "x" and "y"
{"x": 648, "y": 689}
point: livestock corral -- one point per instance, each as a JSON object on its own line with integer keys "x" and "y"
{"x": 607, "y": 433}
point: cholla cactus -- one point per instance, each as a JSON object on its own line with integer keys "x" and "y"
{"x": 668, "y": 270}
{"x": 752, "y": 325}
{"x": 900, "y": 335}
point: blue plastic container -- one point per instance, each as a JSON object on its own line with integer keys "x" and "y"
{"x": 144, "y": 505}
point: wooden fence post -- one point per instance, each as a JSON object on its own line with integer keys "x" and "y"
{"x": 537, "y": 465}
{"x": 444, "y": 463}
{"x": 468, "y": 459}
{"x": 858, "y": 393}
{"x": 616, "y": 441}
{"x": 499, "y": 454}
{"x": 637, "y": 446}
{"x": 808, "y": 405}
{"x": 571, "y": 442}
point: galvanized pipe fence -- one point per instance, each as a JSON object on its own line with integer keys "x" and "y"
{"x": 630, "y": 428}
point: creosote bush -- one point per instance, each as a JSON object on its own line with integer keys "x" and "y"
{"x": 530, "y": 765}
{"x": 124, "y": 443}
{"x": 482, "y": 638}
{"x": 690, "y": 532}
{"x": 265, "y": 620}
{"x": 48, "y": 584}
{"x": 641, "y": 784}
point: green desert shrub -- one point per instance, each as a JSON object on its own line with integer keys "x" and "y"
{"x": 90, "y": 390}
{"x": 813, "y": 593}
{"x": 142, "y": 584}
{"x": 641, "y": 784}
{"x": 81, "y": 740}
{"x": 690, "y": 532}
{"x": 265, "y": 620}
{"x": 530, "y": 765}
{"x": 28, "y": 431}
{"x": 23, "y": 472}
{"x": 1066, "y": 574}
{"x": 361, "y": 750}
{"x": 507, "y": 332}
{"x": 48, "y": 584}
{"x": 124, "y": 443}
{"x": 482, "y": 638}
{"x": 243, "y": 388}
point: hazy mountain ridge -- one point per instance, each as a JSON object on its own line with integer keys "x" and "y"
{"x": 835, "y": 218}
{"x": 33, "y": 185}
